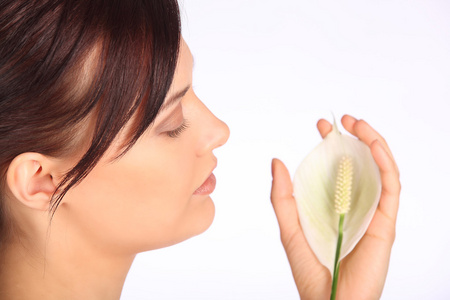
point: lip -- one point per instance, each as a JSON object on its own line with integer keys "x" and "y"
{"x": 209, "y": 184}
{"x": 207, "y": 187}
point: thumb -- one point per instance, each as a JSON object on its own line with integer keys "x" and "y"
{"x": 283, "y": 201}
{"x": 300, "y": 256}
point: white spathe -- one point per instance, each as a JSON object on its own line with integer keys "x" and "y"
{"x": 314, "y": 191}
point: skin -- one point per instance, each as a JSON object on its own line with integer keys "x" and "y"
{"x": 145, "y": 200}
{"x": 363, "y": 272}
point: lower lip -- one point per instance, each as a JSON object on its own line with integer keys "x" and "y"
{"x": 207, "y": 187}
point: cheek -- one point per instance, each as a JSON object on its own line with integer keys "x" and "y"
{"x": 143, "y": 201}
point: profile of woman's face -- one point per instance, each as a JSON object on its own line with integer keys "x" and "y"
{"x": 157, "y": 194}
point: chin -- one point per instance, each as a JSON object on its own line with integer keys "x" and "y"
{"x": 197, "y": 221}
{"x": 202, "y": 222}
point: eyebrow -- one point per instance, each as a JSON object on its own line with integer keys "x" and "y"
{"x": 174, "y": 98}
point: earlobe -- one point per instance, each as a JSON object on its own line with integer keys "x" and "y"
{"x": 30, "y": 179}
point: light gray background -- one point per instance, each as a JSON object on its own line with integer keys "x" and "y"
{"x": 271, "y": 69}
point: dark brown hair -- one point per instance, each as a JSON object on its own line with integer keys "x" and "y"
{"x": 62, "y": 61}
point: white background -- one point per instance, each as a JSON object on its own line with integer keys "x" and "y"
{"x": 271, "y": 69}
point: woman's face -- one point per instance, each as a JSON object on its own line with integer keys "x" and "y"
{"x": 157, "y": 194}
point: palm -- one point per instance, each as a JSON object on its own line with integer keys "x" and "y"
{"x": 363, "y": 271}
{"x": 368, "y": 261}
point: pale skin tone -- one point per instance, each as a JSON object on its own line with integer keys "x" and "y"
{"x": 143, "y": 201}
{"x": 146, "y": 200}
{"x": 363, "y": 272}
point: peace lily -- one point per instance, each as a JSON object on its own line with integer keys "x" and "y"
{"x": 337, "y": 188}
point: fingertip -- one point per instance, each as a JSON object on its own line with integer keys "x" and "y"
{"x": 281, "y": 181}
{"x": 278, "y": 168}
{"x": 275, "y": 162}
{"x": 347, "y": 118}
{"x": 349, "y": 122}
{"x": 319, "y": 123}
{"x": 278, "y": 165}
{"x": 324, "y": 127}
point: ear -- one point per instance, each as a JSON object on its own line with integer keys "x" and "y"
{"x": 30, "y": 177}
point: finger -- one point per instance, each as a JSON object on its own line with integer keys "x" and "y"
{"x": 362, "y": 130}
{"x": 282, "y": 200}
{"x": 324, "y": 127}
{"x": 348, "y": 122}
{"x": 300, "y": 256}
{"x": 390, "y": 182}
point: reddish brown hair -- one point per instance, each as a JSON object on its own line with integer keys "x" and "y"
{"x": 45, "y": 93}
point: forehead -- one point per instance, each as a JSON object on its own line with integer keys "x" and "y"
{"x": 183, "y": 71}
{"x": 185, "y": 60}
{"x": 185, "y": 50}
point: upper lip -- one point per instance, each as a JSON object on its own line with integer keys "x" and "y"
{"x": 210, "y": 172}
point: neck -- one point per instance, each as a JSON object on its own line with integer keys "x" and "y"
{"x": 52, "y": 269}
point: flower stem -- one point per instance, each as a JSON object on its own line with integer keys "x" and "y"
{"x": 337, "y": 264}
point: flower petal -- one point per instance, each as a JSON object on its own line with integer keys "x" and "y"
{"x": 314, "y": 191}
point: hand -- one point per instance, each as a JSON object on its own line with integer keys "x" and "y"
{"x": 363, "y": 272}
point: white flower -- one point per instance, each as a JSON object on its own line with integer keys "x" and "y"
{"x": 323, "y": 193}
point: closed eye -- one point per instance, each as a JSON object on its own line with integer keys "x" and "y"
{"x": 178, "y": 131}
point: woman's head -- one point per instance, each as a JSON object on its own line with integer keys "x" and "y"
{"x": 84, "y": 91}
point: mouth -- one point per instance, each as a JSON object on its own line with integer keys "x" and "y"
{"x": 209, "y": 184}
{"x": 207, "y": 187}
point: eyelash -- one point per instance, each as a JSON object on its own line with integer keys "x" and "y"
{"x": 178, "y": 131}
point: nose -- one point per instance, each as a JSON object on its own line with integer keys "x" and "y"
{"x": 215, "y": 133}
